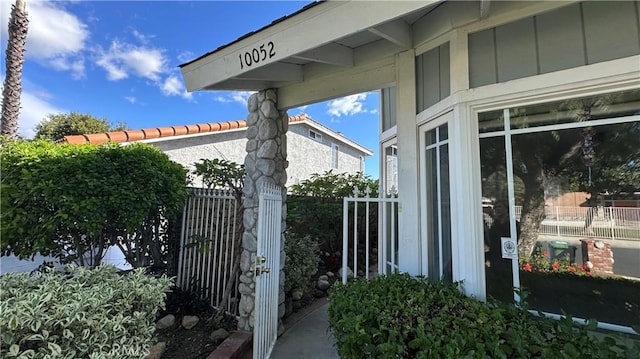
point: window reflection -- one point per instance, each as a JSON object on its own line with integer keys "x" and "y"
{"x": 577, "y": 205}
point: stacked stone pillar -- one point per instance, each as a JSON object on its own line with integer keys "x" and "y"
{"x": 265, "y": 162}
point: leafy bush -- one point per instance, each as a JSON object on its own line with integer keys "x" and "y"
{"x": 56, "y": 126}
{"x": 399, "y": 316}
{"x": 301, "y": 263}
{"x": 315, "y": 206}
{"x": 79, "y": 314}
{"x": 68, "y": 200}
{"x": 217, "y": 173}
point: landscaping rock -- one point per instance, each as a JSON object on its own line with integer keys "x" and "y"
{"x": 323, "y": 284}
{"x": 166, "y": 322}
{"x": 219, "y": 335}
{"x": 349, "y": 272}
{"x": 157, "y": 350}
{"x": 330, "y": 274}
{"x": 319, "y": 293}
{"x": 296, "y": 304}
{"x": 323, "y": 277}
{"x": 189, "y": 321}
{"x": 297, "y": 295}
{"x": 288, "y": 307}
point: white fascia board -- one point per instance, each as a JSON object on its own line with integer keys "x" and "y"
{"x": 300, "y": 33}
{"x": 330, "y": 133}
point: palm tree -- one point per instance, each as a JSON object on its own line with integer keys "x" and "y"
{"x": 18, "y": 24}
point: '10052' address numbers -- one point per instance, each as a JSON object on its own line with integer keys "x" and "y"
{"x": 257, "y": 54}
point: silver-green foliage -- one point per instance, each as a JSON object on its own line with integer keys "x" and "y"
{"x": 79, "y": 313}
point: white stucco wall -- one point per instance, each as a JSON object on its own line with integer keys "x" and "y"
{"x": 306, "y": 156}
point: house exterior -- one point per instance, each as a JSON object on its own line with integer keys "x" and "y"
{"x": 501, "y": 100}
{"x": 312, "y": 147}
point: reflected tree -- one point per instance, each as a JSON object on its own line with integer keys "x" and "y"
{"x": 597, "y": 160}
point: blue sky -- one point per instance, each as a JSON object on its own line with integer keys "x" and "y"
{"x": 119, "y": 60}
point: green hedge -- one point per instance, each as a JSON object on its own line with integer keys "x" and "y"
{"x": 400, "y": 316}
{"x": 301, "y": 263}
{"x": 65, "y": 200}
{"x": 79, "y": 314}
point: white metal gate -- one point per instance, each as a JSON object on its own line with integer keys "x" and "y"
{"x": 266, "y": 269}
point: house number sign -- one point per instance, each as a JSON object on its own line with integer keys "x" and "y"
{"x": 257, "y": 55}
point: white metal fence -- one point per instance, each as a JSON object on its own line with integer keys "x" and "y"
{"x": 208, "y": 250}
{"x": 599, "y": 222}
{"x": 266, "y": 268}
{"x": 354, "y": 235}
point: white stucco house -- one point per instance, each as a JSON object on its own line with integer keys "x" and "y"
{"x": 312, "y": 147}
{"x": 510, "y": 101}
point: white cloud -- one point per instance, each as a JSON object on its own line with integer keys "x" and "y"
{"x": 348, "y": 105}
{"x": 172, "y": 86}
{"x": 185, "y": 56}
{"x": 142, "y": 37}
{"x": 65, "y": 64}
{"x": 55, "y": 37}
{"x": 131, "y": 99}
{"x": 34, "y": 108}
{"x": 240, "y": 97}
{"x": 122, "y": 59}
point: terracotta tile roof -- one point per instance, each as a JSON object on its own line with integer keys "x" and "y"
{"x": 149, "y": 133}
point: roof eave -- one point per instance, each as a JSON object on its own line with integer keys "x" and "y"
{"x": 259, "y": 60}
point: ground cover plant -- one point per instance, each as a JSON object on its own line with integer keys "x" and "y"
{"x": 400, "y": 316}
{"x": 79, "y": 313}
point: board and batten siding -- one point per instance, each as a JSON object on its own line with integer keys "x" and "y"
{"x": 433, "y": 76}
{"x": 571, "y": 36}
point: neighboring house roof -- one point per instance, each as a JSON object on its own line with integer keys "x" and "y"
{"x": 175, "y": 132}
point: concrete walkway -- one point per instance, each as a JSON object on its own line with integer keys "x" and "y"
{"x": 309, "y": 338}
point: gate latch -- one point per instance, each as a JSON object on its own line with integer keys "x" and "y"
{"x": 258, "y": 267}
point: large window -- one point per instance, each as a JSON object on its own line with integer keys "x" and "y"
{"x": 550, "y": 175}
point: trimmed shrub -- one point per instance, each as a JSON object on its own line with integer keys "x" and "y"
{"x": 315, "y": 206}
{"x": 79, "y": 314}
{"x": 301, "y": 264}
{"x": 68, "y": 200}
{"x": 399, "y": 316}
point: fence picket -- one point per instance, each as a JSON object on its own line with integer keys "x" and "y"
{"x": 207, "y": 251}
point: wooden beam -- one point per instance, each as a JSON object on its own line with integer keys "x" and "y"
{"x": 331, "y": 54}
{"x": 397, "y": 32}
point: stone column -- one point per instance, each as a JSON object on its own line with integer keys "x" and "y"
{"x": 265, "y": 162}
